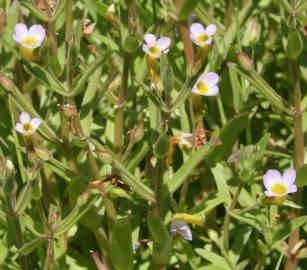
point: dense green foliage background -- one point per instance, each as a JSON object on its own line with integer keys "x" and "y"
{"x": 96, "y": 178}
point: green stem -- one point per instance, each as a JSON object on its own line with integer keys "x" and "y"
{"x": 159, "y": 169}
{"x": 221, "y": 110}
{"x": 261, "y": 262}
{"x": 228, "y": 217}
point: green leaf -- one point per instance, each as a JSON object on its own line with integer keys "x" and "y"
{"x": 188, "y": 167}
{"x": 12, "y": 20}
{"x": 121, "y": 245}
{"x": 207, "y": 205}
{"x": 242, "y": 236}
{"x": 294, "y": 45}
{"x": 131, "y": 44}
{"x": 161, "y": 146}
{"x": 162, "y": 241}
{"x": 29, "y": 247}
{"x": 87, "y": 109}
{"x": 228, "y": 136}
{"x": 283, "y": 233}
{"x": 89, "y": 71}
{"x": 301, "y": 176}
{"x": 212, "y": 257}
{"x": 186, "y": 9}
{"x": 46, "y": 77}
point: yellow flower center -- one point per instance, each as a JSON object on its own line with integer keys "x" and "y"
{"x": 27, "y": 127}
{"x": 154, "y": 50}
{"x": 30, "y": 41}
{"x": 202, "y": 39}
{"x": 279, "y": 188}
{"x": 202, "y": 87}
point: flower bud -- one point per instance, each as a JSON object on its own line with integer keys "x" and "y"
{"x": 245, "y": 61}
{"x": 213, "y": 235}
{"x": 6, "y": 83}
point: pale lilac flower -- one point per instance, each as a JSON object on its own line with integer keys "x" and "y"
{"x": 207, "y": 85}
{"x": 153, "y": 47}
{"x": 200, "y": 36}
{"x": 181, "y": 139}
{"x": 27, "y": 126}
{"x": 277, "y": 185}
{"x": 181, "y": 228}
{"x": 29, "y": 38}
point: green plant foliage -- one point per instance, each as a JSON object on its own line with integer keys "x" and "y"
{"x": 149, "y": 134}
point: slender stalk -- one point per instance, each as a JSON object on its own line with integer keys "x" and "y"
{"x": 298, "y": 156}
{"x": 119, "y": 114}
{"x": 228, "y": 13}
{"x": 158, "y": 186}
{"x": 228, "y": 217}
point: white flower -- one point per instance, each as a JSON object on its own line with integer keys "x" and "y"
{"x": 27, "y": 126}
{"x": 277, "y": 185}
{"x": 154, "y": 47}
{"x": 201, "y": 36}
{"x": 181, "y": 228}
{"x": 207, "y": 85}
{"x": 31, "y": 38}
{"x": 182, "y": 139}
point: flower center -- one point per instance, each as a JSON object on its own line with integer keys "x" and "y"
{"x": 154, "y": 50}
{"x": 279, "y": 188}
{"x": 202, "y": 87}
{"x": 202, "y": 38}
{"x": 30, "y": 41}
{"x": 27, "y": 127}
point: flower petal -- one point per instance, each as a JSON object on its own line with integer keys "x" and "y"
{"x": 187, "y": 234}
{"x": 38, "y": 32}
{"x": 211, "y": 29}
{"x": 289, "y": 177}
{"x": 21, "y": 31}
{"x": 211, "y": 78}
{"x": 271, "y": 177}
{"x": 209, "y": 41}
{"x": 150, "y": 39}
{"x": 197, "y": 29}
{"x": 292, "y": 189}
{"x": 163, "y": 43}
{"x": 145, "y": 48}
{"x": 269, "y": 194}
{"x": 35, "y": 123}
{"x": 24, "y": 118}
{"x": 19, "y": 128}
{"x": 212, "y": 91}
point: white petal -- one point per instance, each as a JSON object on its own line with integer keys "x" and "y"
{"x": 197, "y": 29}
{"x": 38, "y": 32}
{"x": 211, "y": 78}
{"x": 21, "y": 30}
{"x": 289, "y": 177}
{"x": 271, "y": 177}
{"x": 209, "y": 41}
{"x": 211, "y": 29}
{"x": 19, "y": 128}
{"x": 24, "y": 118}
{"x": 145, "y": 48}
{"x": 17, "y": 39}
{"x": 195, "y": 90}
{"x": 166, "y": 51}
{"x": 163, "y": 43}
{"x": 186, "y": 135}
{"x": 269, "y": 193}
{"x": 194, "y": 40}
{"x": 150, "y": 39}
{"x": 212, "y": 91}
{"x": 292, "y": 189}
{"x": 35, "y": 123}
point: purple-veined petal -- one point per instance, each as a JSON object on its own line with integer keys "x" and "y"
{"x": 150, "y": 39}
{"x": 35, "y": 123}
{"x": 289, "y": 176}
{"x": 21, "y": 30}
{"x": 197, "y": 29}
{"x": 24, "y": 118}
{"x": 211, "y": 29}
{"x": 19, "y": 128}
{"x": 211, "y": 78}
{"x": 163, "y": 43}
{"x": 271, "y": 177}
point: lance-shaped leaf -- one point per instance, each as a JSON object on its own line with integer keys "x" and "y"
{"x": 47, "y": 78}
{"x": 27, "y": 248}
{"x": 84, "y": 203}
{"x": 207, "y": 205}
{"x": 162, "y": 241}
{"x": 215, "y": 259}
{"x": 121, "y": 245}
{"x": 189, "y": 165}
{"x": 264, "y": 89}
{"x": 186, "y": 9}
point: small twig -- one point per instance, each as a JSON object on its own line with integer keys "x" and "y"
{"x": 99, "y": 263}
